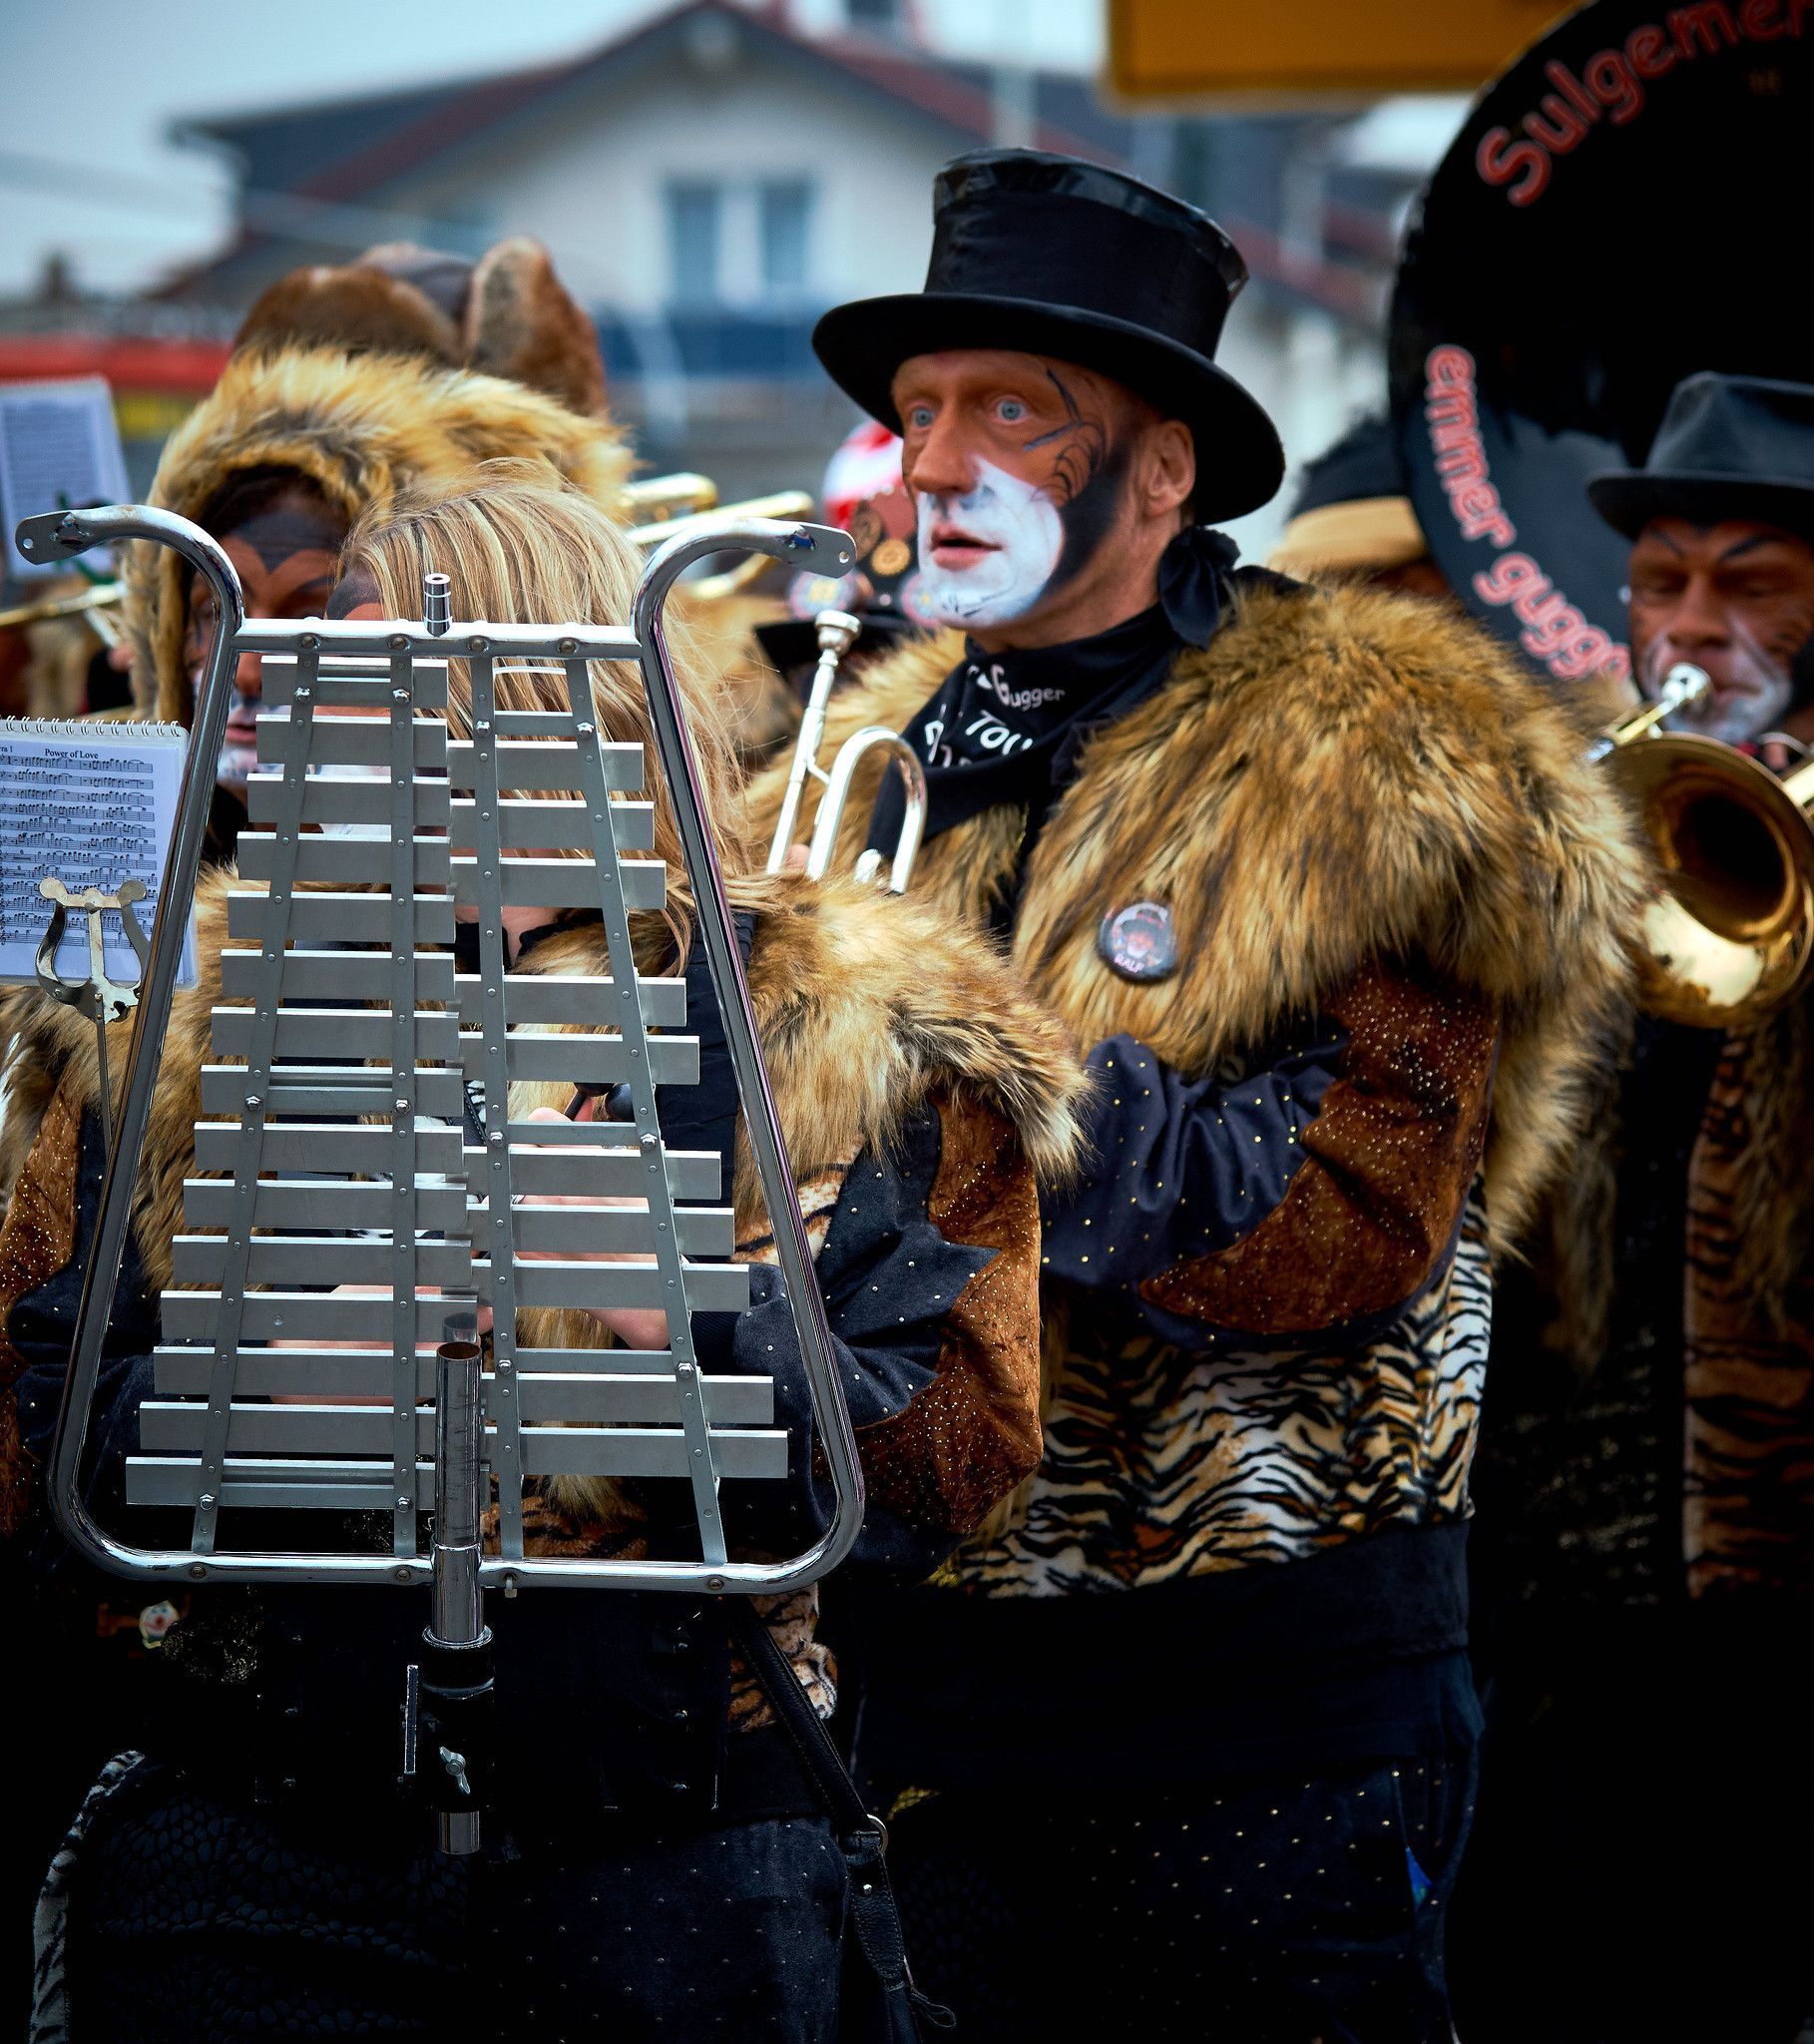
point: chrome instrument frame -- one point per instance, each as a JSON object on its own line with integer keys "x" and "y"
{"x": 400, "y": 643}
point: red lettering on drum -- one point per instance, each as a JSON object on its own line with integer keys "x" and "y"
{"x": 1462, "y": 469}
{"x": 1520, "y": 156}
{"x": 1554, "y": 630}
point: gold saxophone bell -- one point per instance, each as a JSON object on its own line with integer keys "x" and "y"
{"x": 838, "y": 632}
{"x": 1728, "y": 932}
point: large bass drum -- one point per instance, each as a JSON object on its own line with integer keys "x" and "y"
{"x": 1620, "y": 209}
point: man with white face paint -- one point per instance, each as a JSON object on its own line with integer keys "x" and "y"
{"x": 1721, "y": 517}
{"x": 1197, "y": 1704}
{"x": 1011, "y": 541}
{"x": 1646, "y": 1474}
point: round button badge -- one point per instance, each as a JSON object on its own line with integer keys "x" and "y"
{"x": 1138, "y": 942}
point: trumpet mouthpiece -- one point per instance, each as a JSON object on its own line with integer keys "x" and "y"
{"x": 838, "y": 630}
{"x": 1685, "y": 683}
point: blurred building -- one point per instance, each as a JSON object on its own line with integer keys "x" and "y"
{"x": 709, "y": 180}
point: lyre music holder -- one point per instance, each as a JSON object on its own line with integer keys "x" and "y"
{"x": 100, "y": 999}
{"x": 319, "y": 1346}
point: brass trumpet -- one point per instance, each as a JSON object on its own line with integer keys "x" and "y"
{"x": 1728, "y": 934}
{"x": 837, "y": 634}
{"x": 711, "y": 588}
{"x": 671, "y": 495}
{"x": 89, "y": 603}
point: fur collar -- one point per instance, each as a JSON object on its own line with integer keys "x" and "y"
{"x": 866, "y": 1007}
{"x": 360, "y": 427}
{"x": 1339, "y": 774}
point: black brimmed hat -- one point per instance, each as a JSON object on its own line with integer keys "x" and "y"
{"x": 1055, "y": 256}
{"x": 1728, "y": 447}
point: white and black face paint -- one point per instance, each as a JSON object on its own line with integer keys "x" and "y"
{"x": 1020, "y": 534}
{"x": 1749, "y": 696}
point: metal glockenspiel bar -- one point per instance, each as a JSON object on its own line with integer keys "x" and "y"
{"x": 340, "y": 1042}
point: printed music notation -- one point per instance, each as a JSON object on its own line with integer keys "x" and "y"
{"x": 92, "y": 804}
{"x": 59, "y": 445}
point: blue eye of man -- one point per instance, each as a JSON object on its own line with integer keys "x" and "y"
{"x": 1012, "y": 410}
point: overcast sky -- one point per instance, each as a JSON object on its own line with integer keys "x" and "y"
{"x": 90, "y": 90}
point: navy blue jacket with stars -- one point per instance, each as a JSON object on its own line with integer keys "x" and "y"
{"x": 1182, "y": 1166}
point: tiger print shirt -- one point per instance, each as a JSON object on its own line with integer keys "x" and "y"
{"x": 1748, "y": 1380}
{"x": 1162, "y": 1463}
{"x": 1264, "y": 1356}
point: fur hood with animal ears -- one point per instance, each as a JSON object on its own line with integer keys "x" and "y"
{"x": 1341, "y": 774}
{"x": 360, "y": 427}
{"x": 869, "y": 1007}
{"x": 507, "y": 314}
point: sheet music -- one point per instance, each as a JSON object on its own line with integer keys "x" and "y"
{"x": 92, "y": 804}
{"x": 59, "y": 446}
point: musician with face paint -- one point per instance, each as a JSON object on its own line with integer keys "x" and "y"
{"x": 1324, "y": 890}
{"x": 284, "y": 539}
{"x": 1647, "y": 1473}
{"x": 345, "y": 385}
{"x": 1721, "y": 520}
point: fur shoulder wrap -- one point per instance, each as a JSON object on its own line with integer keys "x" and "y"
{"x": 359, "y": 429}
{"x": 1341, "y": 774}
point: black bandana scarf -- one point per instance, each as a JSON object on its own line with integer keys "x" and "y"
{"x": 1005, "y": 728}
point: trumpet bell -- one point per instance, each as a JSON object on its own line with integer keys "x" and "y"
{"x": 1729, "y": 931}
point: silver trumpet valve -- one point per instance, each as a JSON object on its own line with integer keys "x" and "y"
{"x": 1684, "y": 684}
{"x": 838, "y": 632}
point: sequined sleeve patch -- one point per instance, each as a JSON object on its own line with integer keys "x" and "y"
{"x": 966, "y": 1440}
{"x": 1389, "y": 1159}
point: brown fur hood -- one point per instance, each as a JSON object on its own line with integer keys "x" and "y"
{"x": 361, "y": 428}
{"x": 507, "y": 313}
{"x": 1340, "y": 773}
{"x": 866, "y": 1007}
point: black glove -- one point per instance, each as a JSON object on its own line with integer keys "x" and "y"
{"x": 704, "y": 1117}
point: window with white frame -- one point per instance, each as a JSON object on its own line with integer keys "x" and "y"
{"x": 785, "y": 215}
{"x": 743, "y": 245}
{"x": 694, "y": 236}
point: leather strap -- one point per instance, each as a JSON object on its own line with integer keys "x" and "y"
{"x": 862, "y": 1838}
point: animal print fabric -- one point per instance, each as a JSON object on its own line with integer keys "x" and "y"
{"x": 1162, "y": 1465}
{"x": 49, "y": 1921}
{"x": 1748, "y": 1387}
{"x": 36, "y": 1241}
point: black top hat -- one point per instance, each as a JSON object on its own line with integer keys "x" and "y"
{"x": 1728, "y": 447}
{"x": 1061, "y": 257}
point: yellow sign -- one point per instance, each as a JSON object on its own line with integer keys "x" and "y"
{"x": 1194, "y": 49}
{"x": 151, "y": 414}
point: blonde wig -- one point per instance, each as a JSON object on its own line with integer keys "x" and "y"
{"x": 519, "y": 549}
